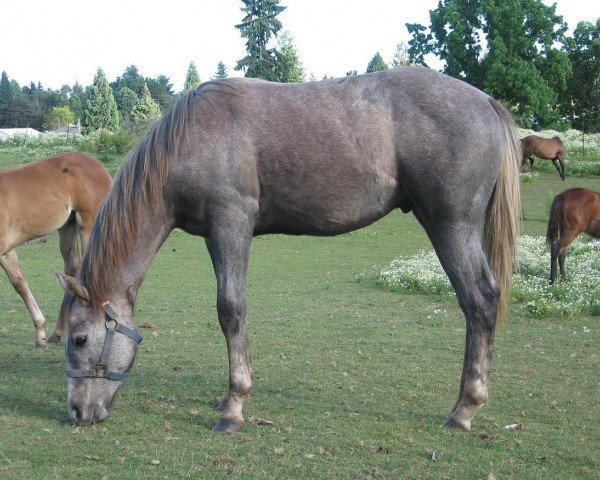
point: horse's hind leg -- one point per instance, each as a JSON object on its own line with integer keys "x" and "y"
{"x": 12, "y": 267}
{"x": 561, "y": 172}
{"x": 559, "y": 168}
{"x": 459, "y": 249}
{"x": 229, "y": 248}
{"x": 69, "y": 250}
{"x": 554, "y": 254}
{"x": 559, "y": 250}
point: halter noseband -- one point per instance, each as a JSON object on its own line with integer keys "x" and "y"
{"x": 101, "y": 368}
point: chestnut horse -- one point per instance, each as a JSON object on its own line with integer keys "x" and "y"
{"x": 574, "y": 211}
{"x": 61, "y": 192}
{"x": 241, "y": 157}
{"x": 546, "y": 148}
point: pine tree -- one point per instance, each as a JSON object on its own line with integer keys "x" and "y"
{"x": 257, "y": 27}
{"x": 101, "y": 110}
{"x": 192, "y": 79}
{"x": 6, "y": 92}
{"x": 146, "y": 110}
{"x": 289, "y": 67}
{"x": 376, "y": 64}
{"x": 221, "y": 71}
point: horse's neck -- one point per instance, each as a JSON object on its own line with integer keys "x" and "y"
{"x": 124, "y": 273}
{"x": 143, "y": 250}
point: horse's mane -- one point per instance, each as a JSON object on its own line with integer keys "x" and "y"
{"x": 135, "y": 192}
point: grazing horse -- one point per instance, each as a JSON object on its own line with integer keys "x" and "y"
{"x": 546, "y": 148}
{"x": 242, "y": 157}
{"x": 574, "y": 211}
{"x": 61, "y": 192}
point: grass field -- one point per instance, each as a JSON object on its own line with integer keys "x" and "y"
{"x": 351, "y": 381}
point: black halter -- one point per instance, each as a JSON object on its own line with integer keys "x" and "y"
{"x": 101, "y": 369}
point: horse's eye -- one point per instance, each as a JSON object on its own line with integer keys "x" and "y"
{"x": 80, "y": 340}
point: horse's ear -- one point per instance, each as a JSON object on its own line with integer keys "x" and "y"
{"x": 71, "y": 285}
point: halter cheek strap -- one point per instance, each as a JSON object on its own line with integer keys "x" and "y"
{"x": 101, "y": 368}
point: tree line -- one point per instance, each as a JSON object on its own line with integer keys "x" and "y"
{"x": 515, "y": 50}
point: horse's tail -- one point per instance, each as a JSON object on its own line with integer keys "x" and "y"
{"x": 501, "y": 227}
{"x": 554, "y": 222}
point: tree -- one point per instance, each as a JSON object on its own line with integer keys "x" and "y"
{"x": 289, "y": 67}
{"x": 401, "y": 57}
{"x": 101, "y": 109}
{"x": 59, "y": 117}
{"x": 221, "y": 71}
{"x": 508, "y": 48}
{"x": 126, "y": 100}
{"x": 192, "y": 79}
{"x": 6, "y": 91}
{"x": 161, "y": 89}
{"x": 581, "y": 101}
{"x": 146, "y": 110}
{"x": 131, "y": 79}
{"x": 259, "y": 24}
{"x": 376, "y": 64}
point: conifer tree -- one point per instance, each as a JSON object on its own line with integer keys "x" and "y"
{"x": 101, "y": 109}
{"x": 258, "y": 26}
{"x": 146, "y": 110}
{"x": 192, "y": 79}
{"x": 221, "y": 71}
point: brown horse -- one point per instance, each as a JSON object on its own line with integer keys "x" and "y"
{"x": 61, "y": 192}
{"x": 545, "y": 148}
{"x": 242, "y": 157}
{"x": 574, "y": 211}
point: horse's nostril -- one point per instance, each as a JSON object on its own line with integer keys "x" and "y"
{"x": 74, "y": 413}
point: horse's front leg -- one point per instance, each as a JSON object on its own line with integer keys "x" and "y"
{"x": 229, "y": 247}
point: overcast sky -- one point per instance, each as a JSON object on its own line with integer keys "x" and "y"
{"x": 58, "y": 43}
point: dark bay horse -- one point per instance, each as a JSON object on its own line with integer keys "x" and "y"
{"x": 574, "y": 211}
{"x": 63, "y": 193}
{"x": 243, "y": 157}
{"x": 545, "y": 148}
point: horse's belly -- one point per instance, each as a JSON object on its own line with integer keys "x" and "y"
{"x": 593, "y": 229}
{"x": 326, "y": 212}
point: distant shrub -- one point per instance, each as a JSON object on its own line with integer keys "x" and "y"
{"x": 578, "y": 295}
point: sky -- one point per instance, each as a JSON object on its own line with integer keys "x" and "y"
{"x": 58, "y": 43}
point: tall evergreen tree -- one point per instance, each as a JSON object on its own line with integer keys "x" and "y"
{"x": 221, "y": 71}
{"x": 258, "y": 26}
{"x": 289, "y": 67}
{"x": 101, "y": 109}
{"x": 146, "y": 109}
{"x": 192, "y": 79}
{"x": 6, "y": 91}
{"x": 377, "y": 64}
{"x": 126, "y": 100}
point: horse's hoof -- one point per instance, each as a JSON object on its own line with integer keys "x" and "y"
{"x": 54, "y": 338}
{"x": 40, "y": 344}
{"x": 227, "y": 426}
{"x": 451, "y": 422}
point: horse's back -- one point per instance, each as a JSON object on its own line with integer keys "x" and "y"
{"x": 39, "y": 197}
{"x": 331, "y": 156}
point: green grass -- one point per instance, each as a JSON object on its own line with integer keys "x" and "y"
{"x": 355, "y": 380}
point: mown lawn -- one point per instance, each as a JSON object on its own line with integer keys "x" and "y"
{"x": 351, "y": 381}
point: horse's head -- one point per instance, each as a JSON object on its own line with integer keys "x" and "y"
{"x": 100, "y": 349}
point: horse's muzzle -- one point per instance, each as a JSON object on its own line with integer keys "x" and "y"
{"x": 88, "y": 414}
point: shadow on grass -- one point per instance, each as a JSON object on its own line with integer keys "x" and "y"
{"x": 31, "y": 385}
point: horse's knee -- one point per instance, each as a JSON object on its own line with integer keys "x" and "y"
{"x": 231, "y": 310}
